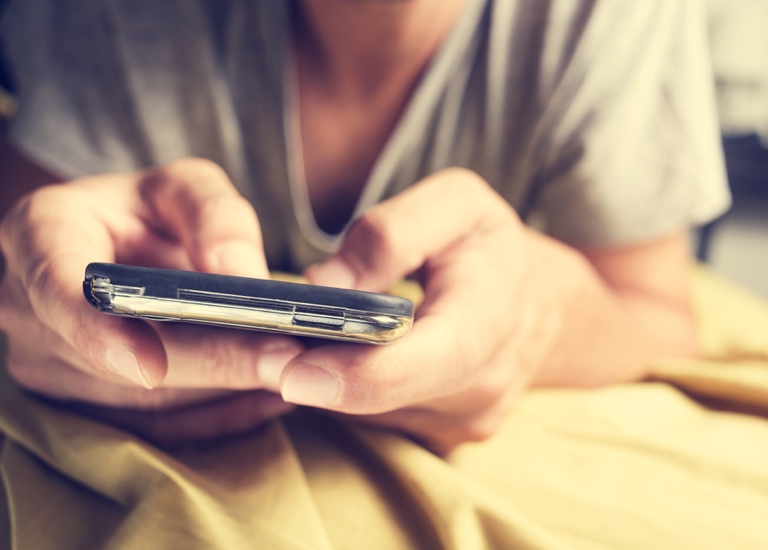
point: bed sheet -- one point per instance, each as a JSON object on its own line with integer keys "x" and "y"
{"x": 678, "y": 461}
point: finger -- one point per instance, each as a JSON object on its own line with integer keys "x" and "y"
{"x": 471, "y": 265}
{"x": 400, "y": 235}
{"x": 232, "y": 415}
{"x": 211, "y": 357}
{"x": 154, "y": 249}
{"x": 48, "y": 239}
{"x": 465, "y": 342}
{"x": 61, "y": 381}
{"x": 194, "y": 200}
{"x": 433, "y": 361}
{"x": 51, "y": 238}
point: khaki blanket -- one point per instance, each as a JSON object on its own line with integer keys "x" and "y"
{"x": 678, "y": 462}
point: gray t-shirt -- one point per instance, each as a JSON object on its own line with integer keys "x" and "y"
{"x": 598, "y": 116}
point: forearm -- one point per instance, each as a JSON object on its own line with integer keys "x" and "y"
{"x": 592, "y": 332}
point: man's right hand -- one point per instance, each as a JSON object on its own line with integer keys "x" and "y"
{"x": 171, "y": 383}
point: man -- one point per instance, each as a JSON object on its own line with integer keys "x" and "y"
{"x": 437, "y": 127}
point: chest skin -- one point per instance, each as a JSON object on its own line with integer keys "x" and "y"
{"x": 341, "y": 139}
{"x": 356, "y": 67}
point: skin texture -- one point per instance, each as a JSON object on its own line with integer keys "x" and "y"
{"x": 186, "y": 215}
{"x": 349, "y": 98}
{"x": 505, "y": 307}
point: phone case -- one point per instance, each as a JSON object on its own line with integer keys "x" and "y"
{"x": 260, "y": 304}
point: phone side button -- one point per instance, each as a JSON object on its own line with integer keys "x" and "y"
{"x": 309, "y": 320}
{"x": 159, "y": 318}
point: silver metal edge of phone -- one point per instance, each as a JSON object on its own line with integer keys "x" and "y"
{"x": 271, "y": 315}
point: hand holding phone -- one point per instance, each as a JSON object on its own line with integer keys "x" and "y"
{"x": 206, "y": 382}
{"x": 240, "y": 302}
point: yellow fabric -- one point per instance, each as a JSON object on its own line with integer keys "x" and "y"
{"x": 634, "y": 466}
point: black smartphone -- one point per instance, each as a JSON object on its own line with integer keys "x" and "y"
{"x": 241, "y": 302}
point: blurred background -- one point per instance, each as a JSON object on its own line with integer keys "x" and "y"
{"x": 736, "y": 246}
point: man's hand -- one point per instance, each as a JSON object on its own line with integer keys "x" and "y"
{"x": 456, "y": 375}
{"x": 186, "y": 215}
{"x": 505, "y": 307}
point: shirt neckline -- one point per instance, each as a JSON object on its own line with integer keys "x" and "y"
{"x": 415, "y": 114}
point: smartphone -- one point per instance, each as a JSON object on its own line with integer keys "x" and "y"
{"x": 240, "y": 302}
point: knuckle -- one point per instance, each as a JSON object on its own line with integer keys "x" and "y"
{"x": 374, "y": 238}
{"x": 41, "y": 203}
{"x": 466, "y": 183}
{"x": 38, "y": 277}
{"x": 225, "y": 211}
{"x": 37, "y": 281}
{"x": 362, "y": 381}
{"x": 220, "y": 218}
{"x": 462, "y": 183}
{"x": 212, "y": 208}
{"x": 224, "y": 365}
{"x": 373, "y": 228}
{"x": 35, "y": 219}
{"x": 16, "y": 225}
{"x": 185, "y": 182}
{"x": 358, "y": 397}
{"x": 80, "y": 338}
{"x": 214, "y": 359}
{"x": 42, "y": 282}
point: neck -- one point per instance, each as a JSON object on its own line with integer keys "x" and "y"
{"x": 360, "y": 46}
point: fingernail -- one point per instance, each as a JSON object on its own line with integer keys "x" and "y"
{"x": 271, "y": 365}
{"x": 123, "y": 362}
{"x": 333, "y": 272}
{"x": 310, "y": 385}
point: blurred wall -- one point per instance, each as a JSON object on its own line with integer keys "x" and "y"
{"x": 739, "y": 39}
